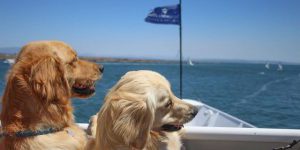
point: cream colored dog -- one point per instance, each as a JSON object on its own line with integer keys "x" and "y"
{"x": 141, "y": 112}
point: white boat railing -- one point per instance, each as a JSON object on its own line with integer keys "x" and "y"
{"x": 241, "y": 134}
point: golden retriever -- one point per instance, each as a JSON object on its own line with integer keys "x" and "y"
{"x": 38, "y": 94}
{"x": 141, "y": 112}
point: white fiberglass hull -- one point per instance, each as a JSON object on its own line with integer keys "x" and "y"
{"x": 227, "y": 138}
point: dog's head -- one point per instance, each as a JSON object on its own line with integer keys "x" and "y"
{"x": 40, "y": 84}
{"x": 143, "y": 101}
{"x": 54, "y": 70}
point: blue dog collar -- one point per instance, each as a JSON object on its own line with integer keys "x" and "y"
{"x": 29, "y": 133}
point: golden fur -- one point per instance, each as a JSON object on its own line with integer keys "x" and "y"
{"x": 134, "y": 112}
{"x": 38, "y": 96}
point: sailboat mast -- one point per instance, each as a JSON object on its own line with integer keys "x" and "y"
{"x": 180, "y": 46}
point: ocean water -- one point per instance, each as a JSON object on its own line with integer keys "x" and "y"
{"x": 264, "y": 98}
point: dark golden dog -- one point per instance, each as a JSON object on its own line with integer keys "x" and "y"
{"x": 45, "y": 76}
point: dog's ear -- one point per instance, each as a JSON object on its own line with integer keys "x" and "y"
{"x": 134, "y": 121}
{"x": 48, "y": 80}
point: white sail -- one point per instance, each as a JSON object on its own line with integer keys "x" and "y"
{"x": 267, "y": 65}
{"x": 280, "y": 67}
{"x": 191, "y": 63}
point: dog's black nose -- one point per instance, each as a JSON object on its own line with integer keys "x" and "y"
{"x": 195, "y": 111}
{"x": 101, "y": 68}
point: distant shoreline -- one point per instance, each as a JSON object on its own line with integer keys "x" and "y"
{"x": 4, "y": 56}
{"x": 100, "y": 59}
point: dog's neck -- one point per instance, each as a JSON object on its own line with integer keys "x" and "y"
{"x": 21, "y": 110}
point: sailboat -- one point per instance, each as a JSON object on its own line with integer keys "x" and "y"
{"x": 280, "y": 67}
{"x": 267, "y": 65}
{"x": 190, "y": 62}
{"x": 9, "y": 61}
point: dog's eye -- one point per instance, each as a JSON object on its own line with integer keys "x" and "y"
{"x": 73, "y": 61}
{"x": 169, "y": 104}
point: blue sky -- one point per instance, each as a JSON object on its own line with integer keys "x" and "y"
{"x": 212, "y": 29}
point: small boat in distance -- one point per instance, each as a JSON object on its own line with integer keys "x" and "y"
{"x": 9, "y": 61}
{"x": 190, "y": 62}
{"x": 267, "y": 65}
{"x": 280, "y": 67}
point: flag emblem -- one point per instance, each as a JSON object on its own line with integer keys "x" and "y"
{"x": 165, "y": 15}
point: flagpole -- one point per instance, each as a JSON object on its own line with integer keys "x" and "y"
{"x": 158, "y": 16}
{"x": 180, "y": 46}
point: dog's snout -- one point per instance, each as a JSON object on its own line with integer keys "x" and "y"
{"x": 101, "y": 68}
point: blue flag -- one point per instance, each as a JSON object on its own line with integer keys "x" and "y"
{"x": 165, "y": 15}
